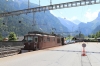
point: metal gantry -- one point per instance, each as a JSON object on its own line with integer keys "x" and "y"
{"x": 51, "y": 7}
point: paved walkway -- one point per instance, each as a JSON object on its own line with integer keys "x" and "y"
{"x": 68, "y": 55}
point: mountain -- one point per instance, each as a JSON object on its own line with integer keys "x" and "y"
{"x": 77, "y": 22}
{"x": 85, "y": 28}
{"x": 90, "y": 27}
{"x": 96, "y": 29}
{"x": 21, "y": 24}
{"x": 96, "y": 22}
{"x": 70, "y": 25}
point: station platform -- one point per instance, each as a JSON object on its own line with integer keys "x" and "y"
{"x": 67, "y": 55}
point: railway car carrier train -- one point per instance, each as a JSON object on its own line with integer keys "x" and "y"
{"x": 37, "y": 41}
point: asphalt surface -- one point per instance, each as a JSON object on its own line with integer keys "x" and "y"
{"x": 67, "y": 55}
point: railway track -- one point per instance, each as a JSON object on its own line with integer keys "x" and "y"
{"x": 9, "y": 48}
{"x": 9, "y": 51}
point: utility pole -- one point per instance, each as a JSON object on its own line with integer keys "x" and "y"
{"x": 28, "y": 4}
{"x": 79, "y": 34}
{"x": 34, "y": 19}
{"x": 50, "y": 2}
{"x": 39, "y": 3}
{"x": 72, "y": 30}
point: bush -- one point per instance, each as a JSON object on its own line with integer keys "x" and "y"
{"x": 12, "y": 37}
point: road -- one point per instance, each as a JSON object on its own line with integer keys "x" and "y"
{"x": 67, "y": 55}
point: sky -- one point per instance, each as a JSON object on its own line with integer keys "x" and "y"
{"x": 82, "y": 13}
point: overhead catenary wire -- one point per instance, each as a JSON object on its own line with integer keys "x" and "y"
{"x": 64, "y": 19}
{"x": 27, "y": 18}
{"x": 50, "y": 1}
{"x": 84, "y": 8}
{"x": 34, "y": 21}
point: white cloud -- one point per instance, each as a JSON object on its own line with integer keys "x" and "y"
{"x": 57, "y": 15}
{"x": 89, "y": 15}
{"x": 62, "y": 15}
{"x": 52, "y": 12}
{"x": 72, "y": 19}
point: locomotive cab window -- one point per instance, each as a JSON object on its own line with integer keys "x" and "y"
{"x": 28, "y": 38}
{"x": 25, "y": 38}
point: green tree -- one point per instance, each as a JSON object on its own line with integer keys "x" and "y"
{"x": 97, "y": 34}
{"x": 12, "y": 36}
{"x": 69, "y": 35}
{"x": 94, "y": 36}
{"x": 90, "y": 36}
{"x": 1, "y": 37}
{"x": 77, "y": 36}
{"x": 81, "y": 35}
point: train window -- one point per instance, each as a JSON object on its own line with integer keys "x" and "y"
{"x": 48, "y": 39}
{"x": 25, "y": 38}
{"x": 35, "y": 39}
{"x": 58, "y": 40}
{"x": 30, "y": 38}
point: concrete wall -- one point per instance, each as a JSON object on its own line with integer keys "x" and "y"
{"x": 11, "y": 43}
